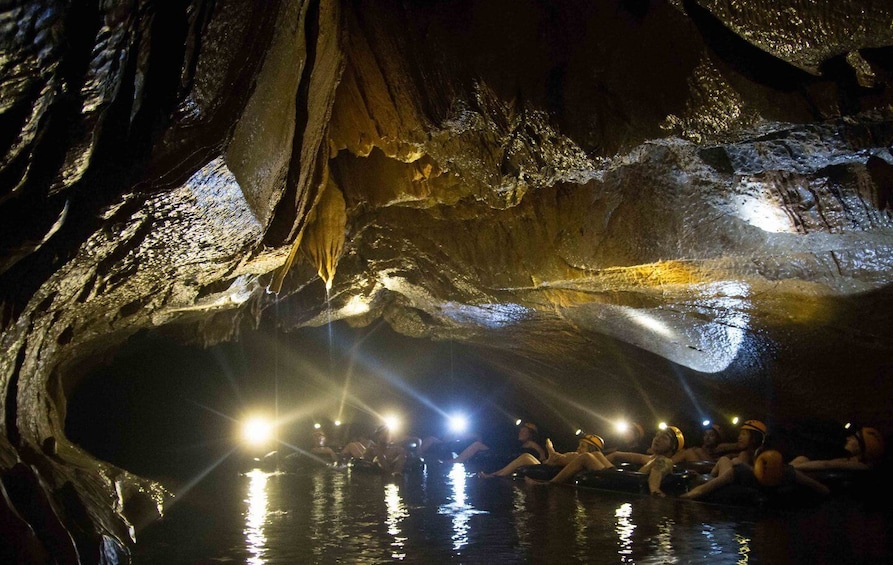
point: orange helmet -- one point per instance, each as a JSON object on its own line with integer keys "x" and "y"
{"x": 769, "y": 468}
{"x": 677, "y": 438}
{"x": 754, "y": 425}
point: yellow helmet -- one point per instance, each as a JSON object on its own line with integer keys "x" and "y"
{"x": 592, "y": 440}
{"x": 677, "y": 438}
{"x": 754, "y": 425}
{"x": 872, "y": 443}
{"x": 769, "y": 468}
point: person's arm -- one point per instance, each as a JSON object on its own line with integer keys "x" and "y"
{"x": 628, "y": 457}
{"x": 725, "y": 448}
{"x": 660, "y": 467}
{"x": 725, "y": 478}
{"x": 829, "y": 464}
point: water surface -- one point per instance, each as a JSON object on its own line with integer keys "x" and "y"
{"x": 447, "y": 515}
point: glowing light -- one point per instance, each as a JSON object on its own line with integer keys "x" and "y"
{"x": 317, "y": 426}
{"x": 337, "y": 422}
{"x": 518, "y": 422}
{"x": 735, "y": 420}
{"x": 662, "y": 426}
{"x": 579, "y": 432}
{"x": 256, "y": 517}
{"x": 355, "y": 306}
{"x": 706, "y": 423}
{"x": 392, "y": 422}
{"x": 458, "y": 423}
{"x": 257, "y": 431}
{"x": 622, "y": 426}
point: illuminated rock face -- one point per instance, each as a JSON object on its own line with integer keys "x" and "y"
{"x": 606, "y": 196}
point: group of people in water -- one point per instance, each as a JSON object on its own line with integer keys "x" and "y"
{"x": 754, "y": 460}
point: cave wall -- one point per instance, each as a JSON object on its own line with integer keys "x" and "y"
{"x": 593, "y": 194}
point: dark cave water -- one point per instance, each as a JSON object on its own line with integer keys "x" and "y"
{"x": 446, "y": 514}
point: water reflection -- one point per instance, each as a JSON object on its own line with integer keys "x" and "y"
{"x": 665, "y": 553}
{"x": 521, "y": 516}
{"x": 458, "y": 510}
{"x": 327, "y": 516}
{"x": 256, "y": 517}
{"x": 625, "y": 529}
{"x": 743, "y": 549}
{"x": 396, "y": 513}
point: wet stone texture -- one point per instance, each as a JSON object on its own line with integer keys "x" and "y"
{"x": 599, "y": 194}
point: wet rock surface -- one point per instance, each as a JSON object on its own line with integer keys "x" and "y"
{"x": 602, "y": 194}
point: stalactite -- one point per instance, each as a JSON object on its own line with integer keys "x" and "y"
{"x": 324, "y": 238}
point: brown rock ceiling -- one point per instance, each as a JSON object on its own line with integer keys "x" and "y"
{"x": 604, "y": 195}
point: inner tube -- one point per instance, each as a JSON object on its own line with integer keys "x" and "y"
{"x": 489, "y": 461}
{"x": 701, "y": 467}
{"x": 856, "y": 482}
{"x": 624, "y": 480}
{"x": 364, "y": 466}
{"x": 540, "y": 472}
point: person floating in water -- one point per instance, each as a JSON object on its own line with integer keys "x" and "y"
{"x": 657, "y": 465}
{"x": 708, "y": 451}
{"x": 750, "y": 437}
{"x": 587, "y": 444}
{"x": 388, "y": 456}
{"x": 768, "y": 475}
{"x": 319, "y": 448}
{"x": 527, "y": 442}
{"x": 864, "y": 447}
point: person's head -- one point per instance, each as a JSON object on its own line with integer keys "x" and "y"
{"x": 751, "y": 434}
{"x": 381, "y": 435}
{"x": 528, "y": 431}
{"x": 869, "y": 445}
{"x": 319, "y": 438}
{"x": 590, "y": 443}
{"x": 712, "y": 436}
{"x": 668, "y": 441}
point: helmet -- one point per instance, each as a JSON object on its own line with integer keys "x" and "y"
{"x": 754, "y": 425}
{"x": 718, "y": 429}
{"x": 769, "y": 468}
{"x": 592, "y": 440}
{"x": 677, "y": 438}
{"x": 872, "y": 443}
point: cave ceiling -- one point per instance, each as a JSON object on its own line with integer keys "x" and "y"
{"x": 611, "y": 194}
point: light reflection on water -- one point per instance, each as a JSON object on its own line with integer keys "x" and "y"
{"x": 743, "y": 549}
{"x": 625, "y": 529}
{"x": 256, "y": 517}
{"x": 458, "y": 509}
{"x": 396, "y": 512}
{"x": 447, "y": 515}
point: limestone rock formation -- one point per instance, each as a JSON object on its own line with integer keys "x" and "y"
{"x": 607, "y": 194}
